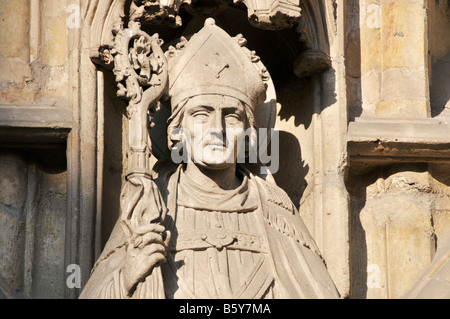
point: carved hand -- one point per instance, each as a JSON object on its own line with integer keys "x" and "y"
{"x": 146, "y": 249}
{"x": 142, "y": 212}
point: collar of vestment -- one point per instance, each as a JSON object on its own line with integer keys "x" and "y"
{"x": 194, "y": 195}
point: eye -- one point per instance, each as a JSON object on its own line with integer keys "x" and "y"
{"x": 233, "y": 117}
{"x": 200, "y": 114}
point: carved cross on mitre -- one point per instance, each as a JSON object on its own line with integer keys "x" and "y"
{"x": 216, "y": 64}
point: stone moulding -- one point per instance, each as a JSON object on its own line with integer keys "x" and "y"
{"x": 398, "y": 141}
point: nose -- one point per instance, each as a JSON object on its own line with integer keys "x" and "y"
{"x": 219, "y": 123}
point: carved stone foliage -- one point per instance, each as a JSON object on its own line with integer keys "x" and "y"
{"x": 273, "y": 15}
{"x": 139, "y": 69}
{"x": 306, "y": 17}
{"x": 136, "y": 64}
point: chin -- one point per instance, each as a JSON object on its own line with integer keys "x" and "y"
{"x": 215, "y": 163}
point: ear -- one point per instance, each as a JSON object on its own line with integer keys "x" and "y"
{"x": 174, "y": 132}
{"x": 249, "y": 117}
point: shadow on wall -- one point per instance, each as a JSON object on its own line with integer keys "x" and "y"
{"x": 353, "y": 61}
{"x": 114, "y": 159}
{"x": 440, "y": 87}
{"x": 293, "y": 170}
{"x": 303, "y": 98}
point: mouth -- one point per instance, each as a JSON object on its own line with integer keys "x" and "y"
{"x": 214, "y": 144}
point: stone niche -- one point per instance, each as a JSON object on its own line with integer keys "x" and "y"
{"x": 303, "y": 59}
{"x": 295, "y": 54}
{"x": 33, "y": 202}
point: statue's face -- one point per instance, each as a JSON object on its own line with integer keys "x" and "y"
{"x": 216, "y": 126}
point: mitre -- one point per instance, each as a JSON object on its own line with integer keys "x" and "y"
{"x": 212, "y": 62}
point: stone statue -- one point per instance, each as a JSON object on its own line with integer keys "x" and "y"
{"x": 207, "y": 227}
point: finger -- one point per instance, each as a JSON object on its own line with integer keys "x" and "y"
{"x": 137, "y": 240}
{"x": 153, "y": 261}
{"x": 148, "y": 239}
{"x": 157, "y": 228}
{"x": 154, "y": 249}
{"x": 157, "y": 259}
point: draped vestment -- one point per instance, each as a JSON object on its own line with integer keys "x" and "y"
{"x": 247, "y": 243}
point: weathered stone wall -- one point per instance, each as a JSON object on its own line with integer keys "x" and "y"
{"x": 33, "y": 52}
{"x": 32, "y": 213}
{"x": 35, "y": 119}
{"x": 364, "y": 137}
{"x": 397, "y": 141}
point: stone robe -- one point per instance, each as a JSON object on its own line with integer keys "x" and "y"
{"x": 243, "y": 243}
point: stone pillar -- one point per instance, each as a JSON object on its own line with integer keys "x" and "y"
{"x": 33, "y": 53}
{"x": 394, "y": 49}
{"x": 14, "y": 41}
{"x": 53, "y": 31}
{"x": 51, "y": 51}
